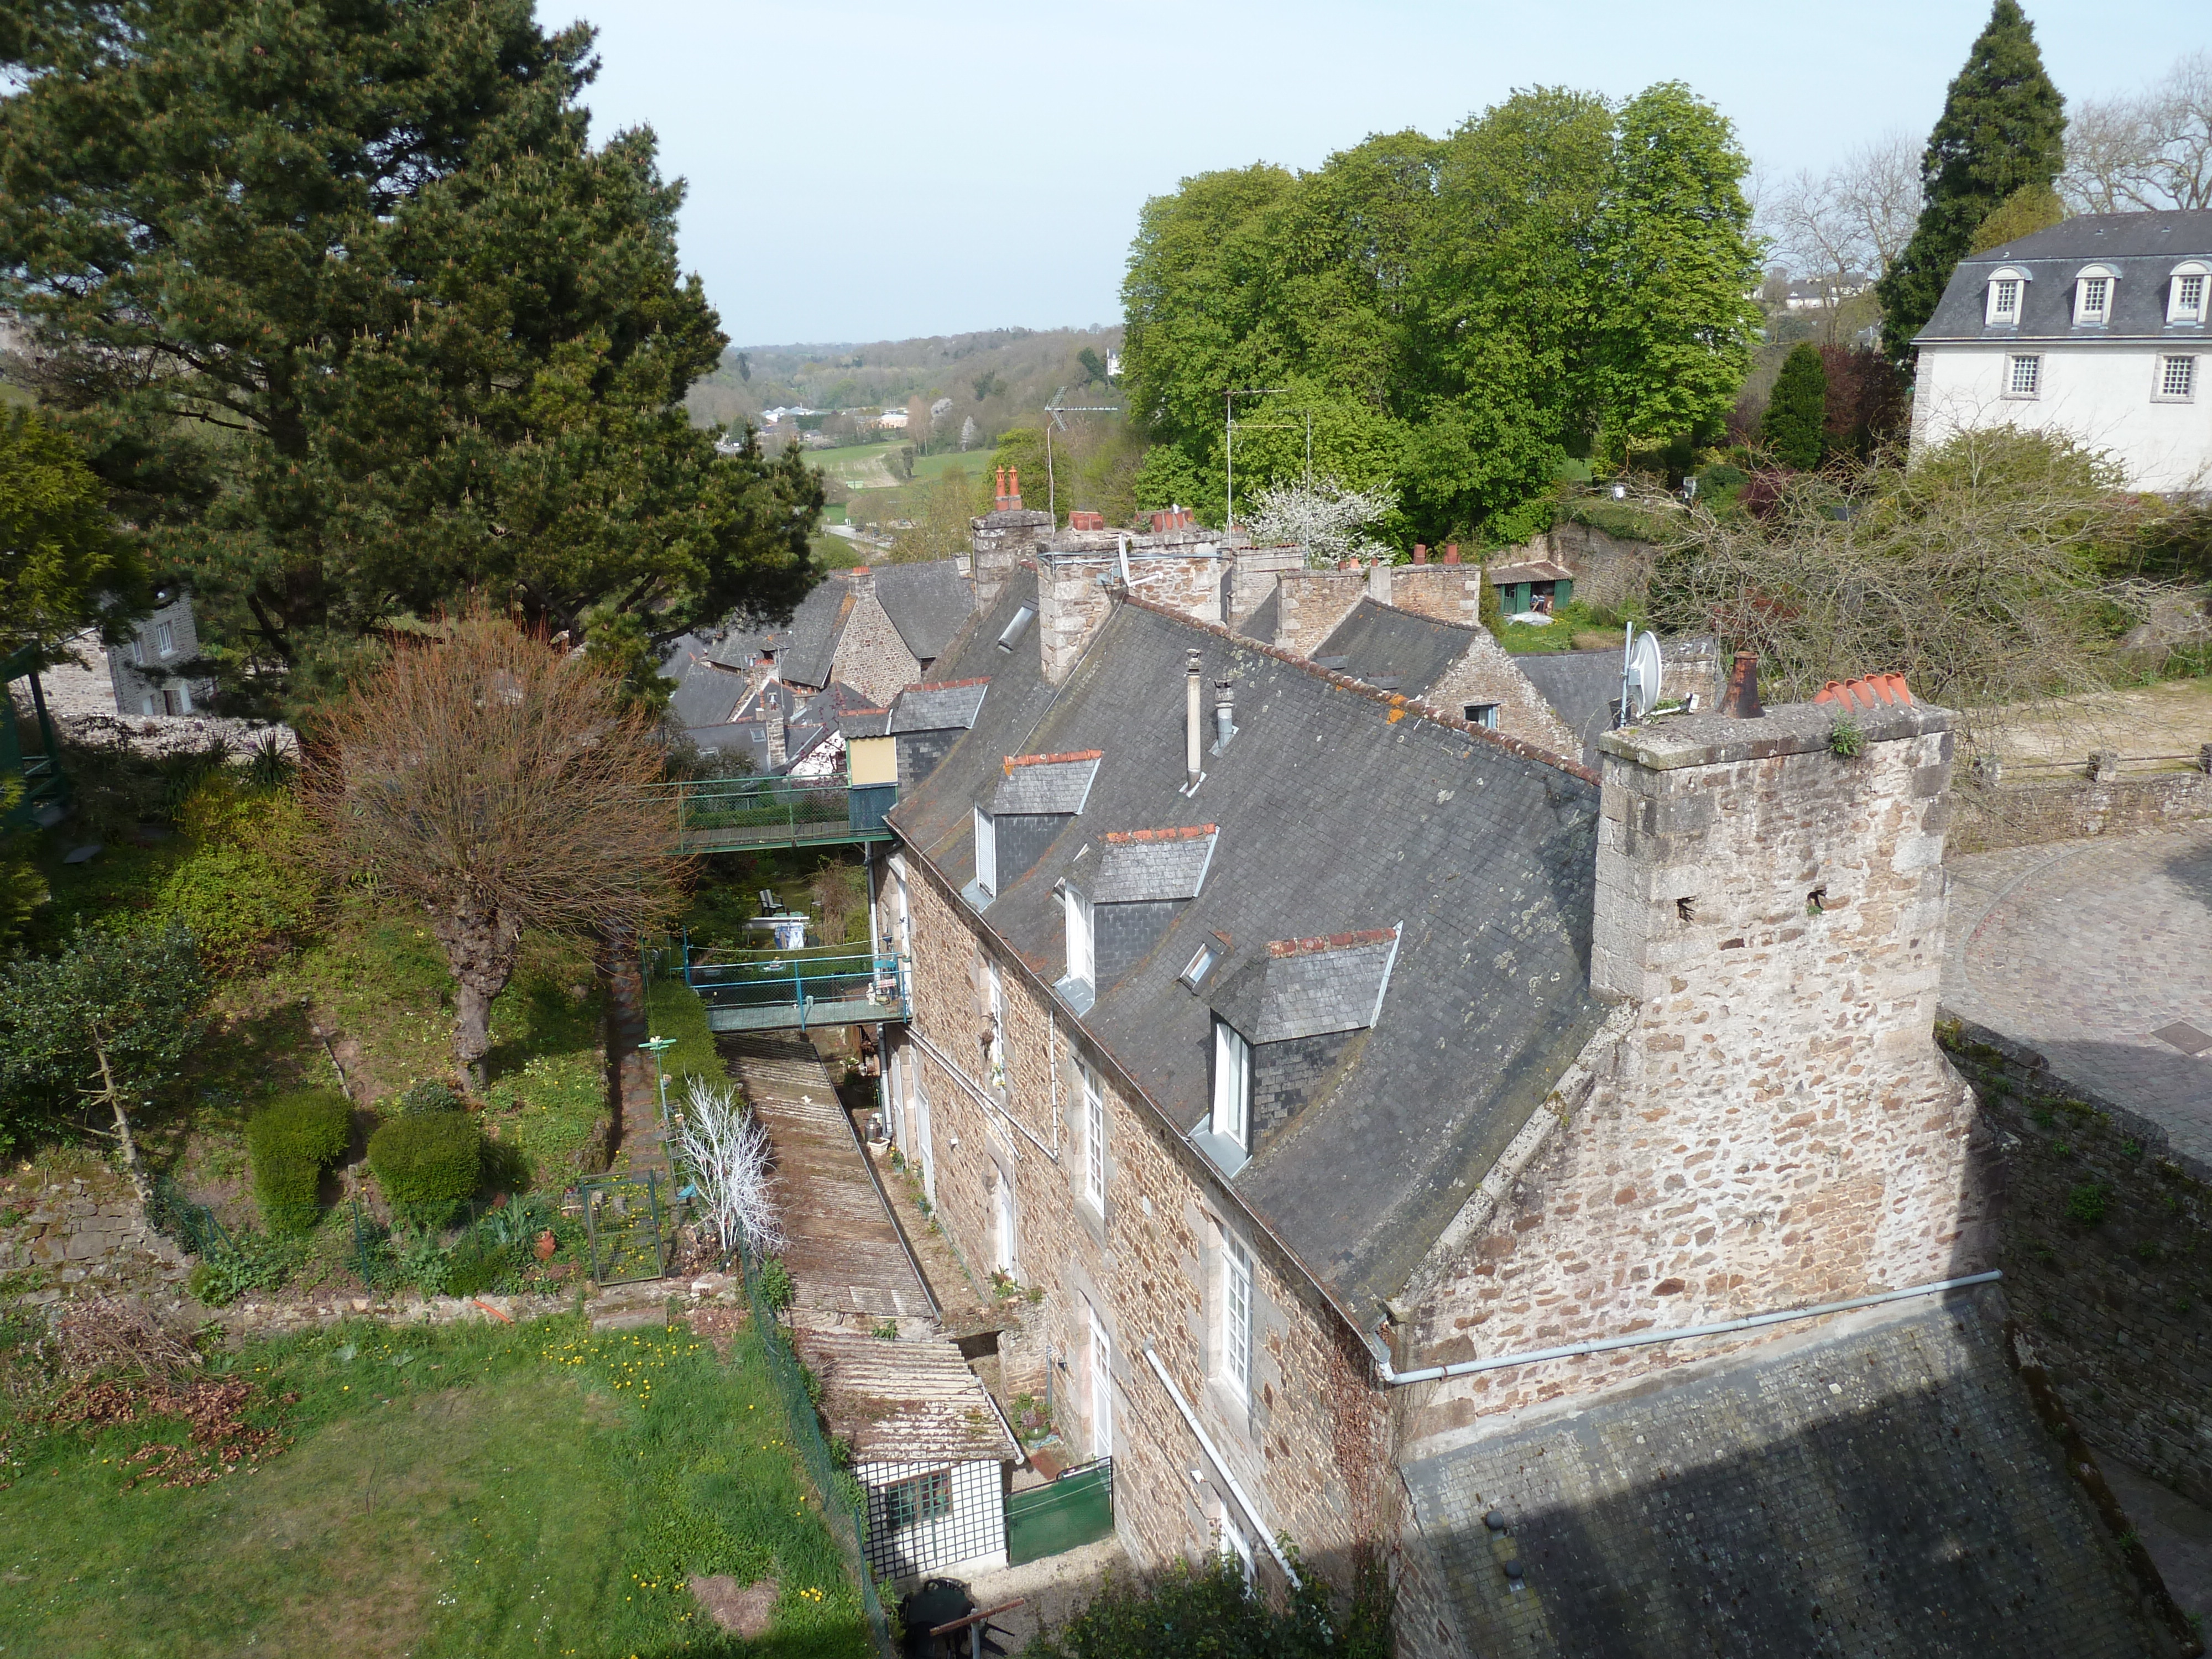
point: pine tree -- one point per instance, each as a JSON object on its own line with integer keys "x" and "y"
{"x": 2002, "y": 130}
{"x": 1798, "y": 410}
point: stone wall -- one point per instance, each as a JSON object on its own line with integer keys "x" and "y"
{"x": 1487, "y": 673}
{"x": 81, "y": 1237}
{"x": 1314, "y": 602}
{"x": 2105, "y": 1240}
{"x": 2029, "y": 814}
{"x": 1149, "y": 1264}
{"x": 872, "y": 658}
{"x": 1771, "y": 1123}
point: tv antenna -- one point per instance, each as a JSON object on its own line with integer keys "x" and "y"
{"x": 1051, "y": 492}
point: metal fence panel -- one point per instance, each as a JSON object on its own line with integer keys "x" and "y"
{"x": 1075, "y": 1510}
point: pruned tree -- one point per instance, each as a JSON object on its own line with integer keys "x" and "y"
{"x": 2151, "y": 149}
{"x": 107, "y": 1022}
{"x": 733, "y": 1165}
{"x": 503, "y": 785}
{"x": 1979, "y": 573}
{"x": 1329, "y": 521}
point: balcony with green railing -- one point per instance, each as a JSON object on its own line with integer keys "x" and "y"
{"x": 736, "y": 815}
{"x": 769, "y": 991}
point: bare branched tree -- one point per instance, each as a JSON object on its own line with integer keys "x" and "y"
{"x": 497, "y": 781}
{"x": 1842, "y": 229}
{"x": 1979, "y": 573}
{"x": 1325, "y": 518}
{"x": 2151, "y": 149}
{"x": 732, "y": 1165}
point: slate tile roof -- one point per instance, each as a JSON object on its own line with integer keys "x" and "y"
{"x": 1156, "y": 866}
{"x": 927, "y": 602}
{"x": 904, "y": 1402}
{"x": 1310, "y": 987}
{"x": 810, "y": 644}
{"x": 1046, "y": 783}
{"x": 1581, "y": 687}
{"x": 1882, "y": 1486}
{"x": 1376, "y": 642}
{"x": 2142, "y": 247}
{"x": 938, "y": 706}
{"x": 1336, "y": 809}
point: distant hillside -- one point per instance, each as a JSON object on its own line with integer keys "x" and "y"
{"x": 999, "y": 379}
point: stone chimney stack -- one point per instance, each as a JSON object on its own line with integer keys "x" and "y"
{"x": 772, "y": 716}
{"x": 1378, "y": 581}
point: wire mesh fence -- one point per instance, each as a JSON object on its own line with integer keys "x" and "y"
{"x": 844, "y": 1505}
{"x": 191, "y": 1224}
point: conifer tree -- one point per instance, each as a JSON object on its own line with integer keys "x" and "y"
{"x": 2002, "y": 130}
{"x": 1797, "y": 411}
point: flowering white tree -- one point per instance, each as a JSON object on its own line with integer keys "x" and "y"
{"x": 1328, "y": 520}
{"x": 729, "y": 1158}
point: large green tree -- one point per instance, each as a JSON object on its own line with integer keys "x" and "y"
{"x": 1797, "y": 416}
{"x": 353, "y": 319}
{"x": 1449, "y": 318}
{"x": 62, "y": 567}
{"x": 2002, "y": 130}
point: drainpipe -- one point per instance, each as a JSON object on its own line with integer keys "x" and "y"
{"x": 1221, "y": 1469}
{"x": 1398, "y": 1379}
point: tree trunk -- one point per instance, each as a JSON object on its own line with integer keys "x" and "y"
{"x": 129, "y": 1142}
{"x": 480, "y": 946}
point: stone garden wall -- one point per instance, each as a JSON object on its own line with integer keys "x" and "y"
{"x": 80, "y": 1236}
{"x": 2028, "y": 815}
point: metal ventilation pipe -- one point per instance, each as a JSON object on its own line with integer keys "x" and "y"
{"x": 1740, "y": 700}
{"x": 1224, "y": 715}
{"x": 1193, "y": 728}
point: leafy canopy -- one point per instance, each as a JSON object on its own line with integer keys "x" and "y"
{"x": 1453, "y": 317}
{"x": 1797, "y": 412}
{"x": 62, "y": 566}
{"x": 351, "y": 318}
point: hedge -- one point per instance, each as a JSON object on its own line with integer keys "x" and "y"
{"x": 292, "y": 1140}
{"x": 427, "y": 1164}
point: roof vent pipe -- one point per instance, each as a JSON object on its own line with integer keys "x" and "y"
{"x": 1224, "y": 715}
{"x": 1191, "y": 727}
{"x": 1741, "y": 700}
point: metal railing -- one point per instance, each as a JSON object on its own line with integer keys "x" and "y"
{"x": 733, "y": 814}
{"x": 800, "y": 990}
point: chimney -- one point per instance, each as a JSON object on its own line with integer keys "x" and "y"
{"x": 998, "y": 494}
{"x": 1378, "y": 581}
{"x": 1451, "y": 554}
{"x": 772, "y": 713}
{"x": 1224, "y": 715}
{"x": 1014, "y": 488}
{"x": 1741, "y": 700}
{"x": 1420, "y": 554}
{"x": 1190, "y": 724}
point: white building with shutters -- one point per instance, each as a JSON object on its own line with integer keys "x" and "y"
{"x": 2097, "y": 327}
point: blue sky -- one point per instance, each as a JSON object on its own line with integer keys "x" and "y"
{"x": 860, "y": 171}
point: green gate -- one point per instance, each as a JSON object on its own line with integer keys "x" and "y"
{"x": 623, "y": 1219}
{"x": 1075, "y": 1510}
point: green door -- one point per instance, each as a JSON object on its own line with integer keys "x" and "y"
{"x": 1075, "y": 1510}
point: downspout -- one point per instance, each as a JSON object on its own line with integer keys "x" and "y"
{"x": 982, "y": 1096}
{"x": 1644, "y": 1338}
{"x": 1220, "y": 1468}
{"x": 1052, "y": 1064}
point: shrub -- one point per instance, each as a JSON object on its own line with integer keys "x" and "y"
{"x": 2088, "y": 1203}
{"x": 427, "y": 1165}
{"x": 242, "y": 886}
{"x": 775, "y": 1284}
{"x": 292, "y": 1140}
{"x": 429, "y": 1097}
{"x": 261, "y": 1261}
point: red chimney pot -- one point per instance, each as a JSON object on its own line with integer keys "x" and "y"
{"x": 1420, "y": 554}
{"x": 1451, "y": 554}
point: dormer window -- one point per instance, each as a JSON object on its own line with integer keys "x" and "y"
{"x": 1232, "y": 1086}
{"x": 986, "y": 853}
{"x": 2185, "y": 294}
{"x": 2092, "y": 297}
{"x": 1082, "y": 968}
{"x": 1201, "y": 965}
{"x": 2004, "y": 301}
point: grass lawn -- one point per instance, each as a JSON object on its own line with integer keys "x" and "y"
{"x": 474, "y": 1490}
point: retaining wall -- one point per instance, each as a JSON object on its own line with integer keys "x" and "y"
{"x": 1986, "y": 820}
{"x": 80, "y": 1237}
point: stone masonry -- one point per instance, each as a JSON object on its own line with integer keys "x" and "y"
{"x": 1774, "y": 1125}
{"x": 1148, "y": 1265}
{"x": 81, "y": 1237}
{"x": 872, "y": 658}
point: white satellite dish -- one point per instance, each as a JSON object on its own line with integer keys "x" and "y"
{"x": 1639, "y": 675}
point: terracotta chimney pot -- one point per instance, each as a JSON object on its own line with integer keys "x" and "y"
{"x": 1451, "y": 554}
{"x": 1420, "y": 554}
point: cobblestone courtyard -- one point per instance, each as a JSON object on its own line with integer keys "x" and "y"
{"x": 2097, "y": 955}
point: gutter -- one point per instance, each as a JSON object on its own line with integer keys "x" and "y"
{"x": 1646, "y": 1338}
{"x": 1251, "y": 1510}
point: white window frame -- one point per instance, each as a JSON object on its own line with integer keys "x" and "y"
{"x": 2002, "y": 288}
{"x": 1091, "y": 1096}
{"x": 986, "y": 853}
{"x": 1082, "y": 939}
{"x": 165, "y": 639}
{"x": 1101, "y": 1384}
{"x": 2161, "y": 392}
{"x": 2095, "y": 286}
{"x": 1237, "y": 1548}
{"x": 1005, "y": 1224}
{"x": 1202, "y": 962}
{"x": 2012, "y": 387}
{"x": 1483, "y": 714}
{"x": 2176, "y": 310}
{"x": 1236, "y": 1321}
{"x": 1232, "y": 1085}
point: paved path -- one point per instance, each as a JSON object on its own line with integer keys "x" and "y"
{"x": 2097, "y": 955}
{"x": 847, "y": 1265}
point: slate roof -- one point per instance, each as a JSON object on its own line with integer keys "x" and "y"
{"x": 1532, "y": 570}
{"x": 1881, "y": 1485}
{"x": 704, "y": 694}
{"x": 1581, "y": 687}
{"x": 2142, "y": 247}
{"x": 937, "y": 707}
{"x": 1310, "y": 986}
{"x": 810, "y": 644}
{"x": 904, "y": 1402}
{"x": 1376, "y": 642}
{"x": 1265, "y": 618}
{"x": 1135, "y": 867}
{"x": 1336, "y": 810}
{"x": 927, "y": 602}
{"x": 1046, "y": 783}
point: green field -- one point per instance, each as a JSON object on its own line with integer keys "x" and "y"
{"x": 478, "y": 1489}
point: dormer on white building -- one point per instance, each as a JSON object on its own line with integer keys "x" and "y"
{"x": 2094, "y": 327}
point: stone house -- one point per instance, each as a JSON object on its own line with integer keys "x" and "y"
{"x": 149, "y": 670}
{"x": 1423, "y": 1146}
{"x": 2097, "y": 328}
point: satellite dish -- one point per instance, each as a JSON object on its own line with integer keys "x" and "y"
{"x": 1640, "y": 677}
